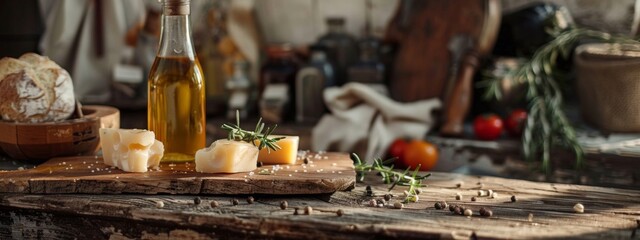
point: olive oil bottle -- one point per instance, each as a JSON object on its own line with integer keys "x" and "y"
{"x": 176, "y": 106}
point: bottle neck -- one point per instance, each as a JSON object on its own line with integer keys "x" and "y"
{"x": 175, "y": 40}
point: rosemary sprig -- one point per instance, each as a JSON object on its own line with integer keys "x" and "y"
{"x": 389, "y": 176}
{"x": 238, "y": 134}
{"x": 547, "y": 125}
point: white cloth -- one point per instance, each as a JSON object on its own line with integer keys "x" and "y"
{"x": 365, "y": 121}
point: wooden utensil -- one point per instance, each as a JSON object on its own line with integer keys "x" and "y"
{"x": 422, "y": 30}
{"x": 458, "y": 102}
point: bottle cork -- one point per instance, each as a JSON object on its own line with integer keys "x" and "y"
{"x": 176, "y": 7}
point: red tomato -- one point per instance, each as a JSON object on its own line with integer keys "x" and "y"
{"x": 397, "y": 149}
{"x": 488, "y": 127}
{"x": 420, "y": 153}
{"x": 515, "y": 122}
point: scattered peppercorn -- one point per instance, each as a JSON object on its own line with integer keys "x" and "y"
{"x": 368, "y": 191}
{"x": 458, "y": 196}
{"x": 381, "y": 201}
{"x": 459, "y": 185}
{"x": 340, "y": 213}
{"x": 306, "y": 160}
{"x": 468, "y": 212}
{"x": 197, "y": 201}
{"x": 490, "y": 193}
{"x": 283, "y": 205}
{"x": 372, "y": 203}
{"x": 308, "y": 210}
{"x": 295, "y": 212}
{"x": 473, "y": 199}
{"x": 250, "y": 200}
{"x": 235, "y": 202}
{"x": 398, "y": 205}
{"x": 387, "y": 197}
{"x": 444, "y": 205}
{"x": 578, "y": 208}
{"x": 452, "y": 207}
{"x": 513, "y": 198}
{"x": 494, "y": 195}
{"x": 438, "y": 205}
{"x": 260, "y": 164}
{"x": 159, "y": 204}
{"x": 418, "y": 191}
{"x": 457, "y": 210}
{"x": 485, "y": 212}
{"x": 214, "y": 204}
{"x": 480, "y": 193}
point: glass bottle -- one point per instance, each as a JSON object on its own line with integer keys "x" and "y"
{"x": 176, "y": 107}
{"x": 241, "y": 93}
{"x": 342, "y": 47}
{"x": 278, "y": 75}
{"x": 368, "y": 69}
{"x": 311, "y": 81}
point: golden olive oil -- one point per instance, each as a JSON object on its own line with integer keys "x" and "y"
{"x": 176, "y": 110}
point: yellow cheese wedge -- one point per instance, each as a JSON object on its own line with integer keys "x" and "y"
{"x": 286, "y": 155}
{"x": 132, "y": 150}
{"x": 225, "y": 156}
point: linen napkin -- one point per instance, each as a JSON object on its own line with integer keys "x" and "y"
{"x": 365, "y": 121}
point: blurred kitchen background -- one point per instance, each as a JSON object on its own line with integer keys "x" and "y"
{"x": 309, "y": 64}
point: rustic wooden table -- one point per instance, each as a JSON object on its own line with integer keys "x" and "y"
{"x": 609, "y": 214}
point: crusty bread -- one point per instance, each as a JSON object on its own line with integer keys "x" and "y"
{"x": 34, "y": 89}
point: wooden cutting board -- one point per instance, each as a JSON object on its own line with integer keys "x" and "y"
{"x": 325, "y": 173}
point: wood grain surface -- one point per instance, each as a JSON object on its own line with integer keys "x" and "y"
{"x": 609, "y": 214}
{"x": 325, "y": 173}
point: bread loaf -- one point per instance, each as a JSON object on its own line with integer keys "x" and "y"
{"x": 34, "y": 89}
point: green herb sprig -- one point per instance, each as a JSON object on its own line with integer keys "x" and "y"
{"x": 238, "y": 134}
{"x": 389, "y": 176}
{"x": 547, "y": 125}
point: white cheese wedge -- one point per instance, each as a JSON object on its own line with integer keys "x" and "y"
{"x": 286, "y": 155}
{"x": 225, "y": 156}
{"x": 132, "y": 150}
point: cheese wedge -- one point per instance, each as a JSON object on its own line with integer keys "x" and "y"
{"x": 286, "y": 155}
{"x": 131, "y": 150}
{"x": 225, "y": 156}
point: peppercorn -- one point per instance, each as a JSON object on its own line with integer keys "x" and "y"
{"x": 438, "y": 205}
{"x": 457, "y": 210}
{"x": 387, "y": 197}
{"x": 295, "y": 212}
{"x": 308, "y": 210}
{"x": 494, "y": 195}
{"x": 459, "y": 185}
{"x": 485, "y": 212}
{"x": 490, "y": 193}
{"x": 339, "y": 212}
{"x": 468, "y": 212}
{"x": 159, "y": 204}
{"x": 260, "y": 164}
{"x": 372, "y": 203}
{"x": 444, "y": 205}
{"x": 368, "y": 191}
{"x": 452, "y": 207}
{"x": 473, "y": 199}
{"x": 458, "y": 196}
{"x": 197, "y": 201}
{"x": 306, "y": 160}
{"x": 513, "y": 198}
{"x": 578, "y": 208}
{"x": 235, "y": 202}
{"x": 381, "y": 201}
{"x": 398, "y": 205}
{"x": 250, "y": 200}
{"x": 283, "y": 205}
{"x": 214, "y": 204}
{"x": 418, "y": 191}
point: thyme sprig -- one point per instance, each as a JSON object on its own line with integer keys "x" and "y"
{"x": 389, "y": 176}
{"x": 547, "y": 125}
{"x": 236, "y": 133}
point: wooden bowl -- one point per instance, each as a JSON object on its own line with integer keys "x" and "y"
{"x": 38, "y": 142}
